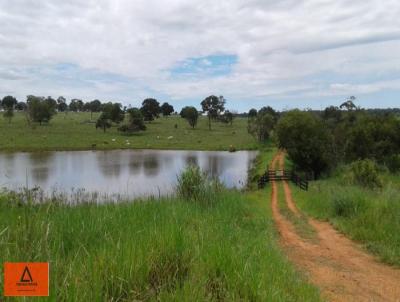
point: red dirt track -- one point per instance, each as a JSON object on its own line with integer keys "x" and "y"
{"x": 338, "y": 266}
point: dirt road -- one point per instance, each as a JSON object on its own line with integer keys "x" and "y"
{"x": 338, "y": 266}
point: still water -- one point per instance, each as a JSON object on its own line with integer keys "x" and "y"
{"x": 127, "y": 173}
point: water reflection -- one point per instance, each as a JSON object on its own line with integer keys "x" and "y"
{"x": 41, "y": 163}
{"x": 191, "y": 160}
{"x": 109, "y": 163}
{"x": 128, "y": 172}
{"x": 151, "y": 165}
{"x": 135, "y": 164}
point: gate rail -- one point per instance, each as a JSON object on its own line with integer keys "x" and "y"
{"x": 282, "y": 175}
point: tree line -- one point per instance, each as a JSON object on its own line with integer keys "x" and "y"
{"x": 319, "y": 141}
{"x": 42, "y": 109}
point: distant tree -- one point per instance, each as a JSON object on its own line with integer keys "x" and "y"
{"x": 8, "y": 103}
{"x": 8, "y": 114}
{"x": 76, "y": 105}
{"x": 252, "y": 113}
{"x": 52, "y": 103}
{"x": 349, "y": 104}
{"x": 39, "y": 109}
{"x": 373, "y": 137}
{"x": 229, "y": 117}
{"x": 103, "y": 122}
{"x": 21, "y": 106}
{"x": 214, "y": 106}
{"x": 94, "y": 106}
{"x": 167, "y": 109}
{"x": 136, "y": 121}
{"x": 332, "y": 115}
{"x": 150, "y": 109}
{"x": 62, "y": 104}
{"x": 306, "y": 140}
{"x": 261, "y": 126}
{"x": 113, "y": 112}
{"x": 270, "y": 111}
{"x": 190, "y": 114}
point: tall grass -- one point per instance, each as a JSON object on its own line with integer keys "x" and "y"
{"x": 369, "y": 216}
{"x": 195, "y": 185}
{"x": 166, "y": 250}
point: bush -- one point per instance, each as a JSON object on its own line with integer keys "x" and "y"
{"x": 364, "y": 173}
{"x": 194, "y": 185}
{"x": 348, "y": 205}
{"x": 393, "y": 163}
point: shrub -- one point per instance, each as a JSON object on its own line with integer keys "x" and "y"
{"x": 194, "y": 185}
{"x": 347, "y": 205}
{"x": 393, "y": 163}
{"x": 364, "y": 173}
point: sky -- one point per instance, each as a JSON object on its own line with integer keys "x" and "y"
{"x": 285, "y": 54}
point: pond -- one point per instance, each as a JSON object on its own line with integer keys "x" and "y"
{"x": 117, "y": 174}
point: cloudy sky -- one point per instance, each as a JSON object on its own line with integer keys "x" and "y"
{"x": 289, "y": 53}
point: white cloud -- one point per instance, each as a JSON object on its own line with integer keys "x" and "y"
{"x": 284, "y": 48}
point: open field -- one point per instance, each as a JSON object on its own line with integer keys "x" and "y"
{"x": 75, "y": 131}
{"x": 162, "y": 249}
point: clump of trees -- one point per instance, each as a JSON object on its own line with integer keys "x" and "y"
{"x": 306, "y": 140}
{"x": 318, "y": 141}
{"x": 111, "y": 113}
{"x": 135, "y": 122}
{"x": 190, "y": 114}
{"x": 261, "y": 124}
{"x": 40, "y": 109}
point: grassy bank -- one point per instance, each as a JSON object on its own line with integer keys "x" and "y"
{"x": 371, "y": 217}
{"x": 168, "y": 250}
{"x": 76, "y": 131}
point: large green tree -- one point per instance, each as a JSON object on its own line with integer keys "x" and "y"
{"x": 373, "y": 137}
{"x": 252, "y": 113}
{"x": 62, "y": 104}
{"x": 190, "y": 114}
{"x": 213, "y": 106}
{"x": 150, "y": 109}
{"x": 261, "y": 126}
{"x": 103, "y": 122}
{"x": 307, "y": 141}
{"x": 113, "y": 112}
{"x": 166, "y": 109}
{"x": 8, "y": 103}
{"x": 76, "y": 105}
{"x": 40, "y": 109}
{"x": 93, "y": 106}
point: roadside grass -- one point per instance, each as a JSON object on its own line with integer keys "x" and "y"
{"x": 154, "y": 250}
{"x": 264, "y": 157}
{"x": 371, "y": 217}
{"x": 300, "y": 222}
{"x": 76, "y": 131}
